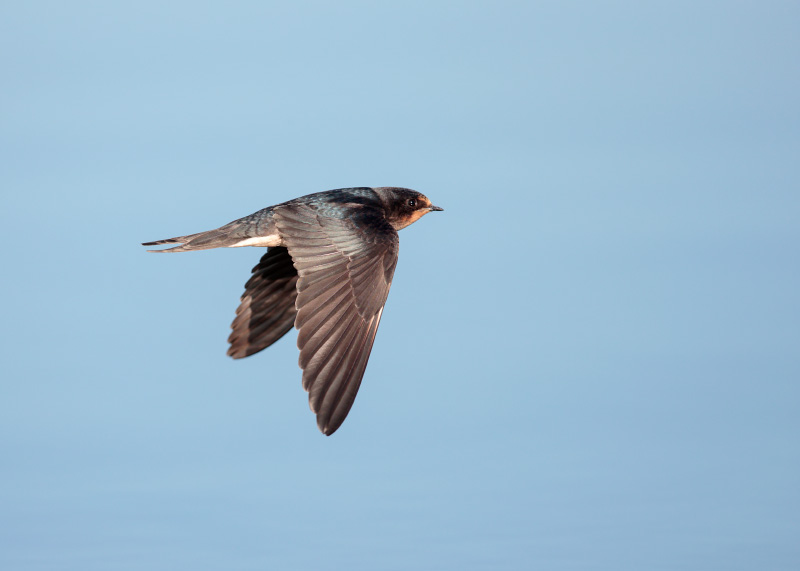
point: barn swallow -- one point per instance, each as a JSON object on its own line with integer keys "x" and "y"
{"x": 327, "y": 271}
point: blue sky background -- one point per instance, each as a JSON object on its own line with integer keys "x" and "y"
{"x": 590, "y": 360}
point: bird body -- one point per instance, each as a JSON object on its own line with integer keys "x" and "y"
{"x": 327, "y": 271}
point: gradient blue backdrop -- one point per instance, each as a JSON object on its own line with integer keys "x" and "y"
{"x": 590, "y": 360}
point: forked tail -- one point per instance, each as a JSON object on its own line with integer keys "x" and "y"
{"x": 200, "y": 241}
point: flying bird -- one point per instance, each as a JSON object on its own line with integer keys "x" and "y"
{"x": 327, "y": 271}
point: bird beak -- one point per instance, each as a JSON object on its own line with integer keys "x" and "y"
{"x": 436, "y": 208}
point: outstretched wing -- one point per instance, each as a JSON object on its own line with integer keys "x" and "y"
{"x": 345, "y": 267}
{"x": 267, "y": 310}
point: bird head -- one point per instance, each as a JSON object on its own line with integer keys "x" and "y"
{"x": 403, "y": 205}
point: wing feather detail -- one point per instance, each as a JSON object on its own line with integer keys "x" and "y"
{"x": 345, "y": 267}
{"x": 267, "y": 309}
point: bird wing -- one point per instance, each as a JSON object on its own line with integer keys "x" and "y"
{"x": 267, "y": 311}
{"x": 345, "y": 267}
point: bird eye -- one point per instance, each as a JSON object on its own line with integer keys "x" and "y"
{"x": 412, "y": 202}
